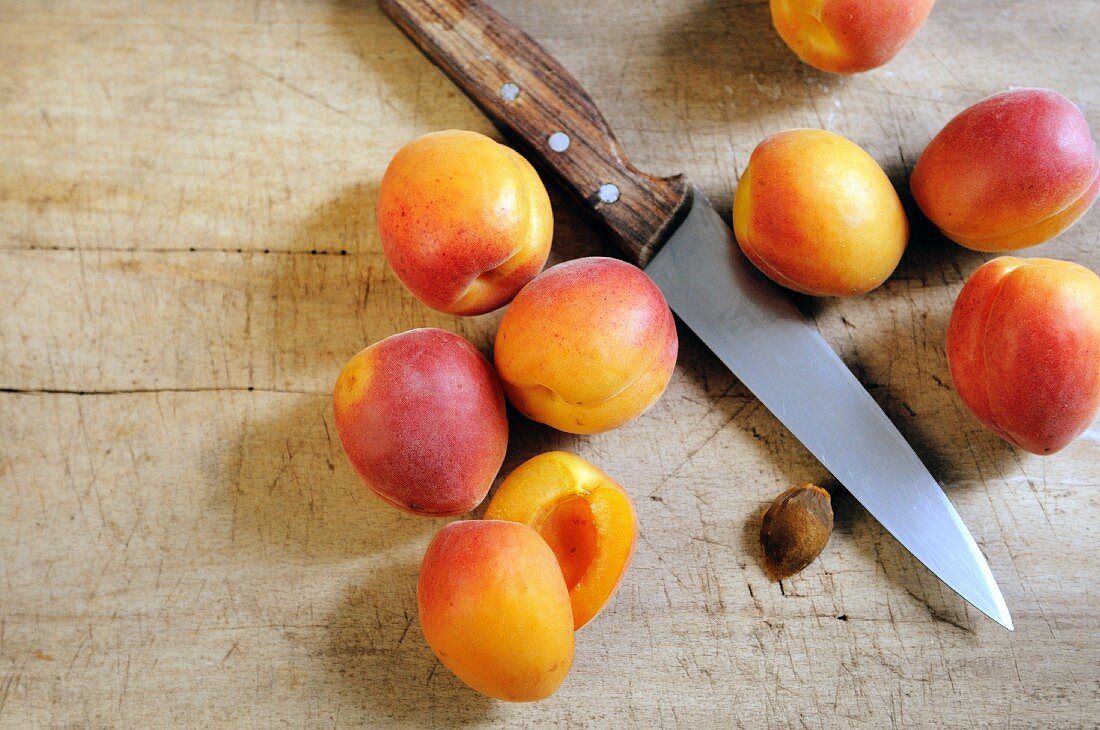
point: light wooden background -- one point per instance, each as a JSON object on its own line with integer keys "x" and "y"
{"x": 188, "y": 255}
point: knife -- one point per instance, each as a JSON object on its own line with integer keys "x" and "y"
{"x": 666, "y": 226}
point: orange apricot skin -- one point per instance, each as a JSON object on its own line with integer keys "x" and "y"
{"x": 1023, "y": 346}
{"x": 535, "y": 491}
{"x": 816, "y": 214}
{"x": 848, "y": 36}
{"x": 421, "y": 418}
{"x": 587, "y": 346}
{"x": 494, "y": 609}
{"x": 1013, "y": 170}
{"x": 465, "y": 222}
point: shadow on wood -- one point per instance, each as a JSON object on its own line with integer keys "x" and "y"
{"x": 933, "y": 420}
{"x": 902, "y": 568}
{"x": 750, "y": 544}
{"x": 931, "y": 257}
{"x": 727, "y": 62}
{"x": 295, "y": 495}
{"x": 381, "y": 661}
{"x": 527, "y": 439}
{"x": 329, "y": 306}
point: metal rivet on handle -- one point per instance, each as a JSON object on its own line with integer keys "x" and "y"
{"x": 608, "y": 193}
{"x": 509, "y": 92}
{"x": 559, "y": 141}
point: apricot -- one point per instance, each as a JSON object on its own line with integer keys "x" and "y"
{"x": 847, "y": 36}
{"x": 495, "y": 610}
{"x": 817, "y": 214}
{"x": 465, "y": 222}
{"x": 1014, "y": 170}
{"x": 587, "y": 346}
{"x": 421, "y": 417}
{"x": 1023, "y": 345}
{"x": 584, "y": 515}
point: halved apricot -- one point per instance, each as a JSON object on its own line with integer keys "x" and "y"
{"x": 583, "y": 514}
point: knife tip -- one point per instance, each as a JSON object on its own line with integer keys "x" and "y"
{"x": 999, "y": 610}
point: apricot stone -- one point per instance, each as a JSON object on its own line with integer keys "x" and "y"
{"x": 795, "y": 529}
{"x": 587, "y": 346}
{"x": 584, "y": 515}
{"x": 421, "y": 417}
{"x": 817, "y": 214}
{"x": 465, "y": 222}
{"x": 1023, "y": 345}
{"x": 847, "y": 36}
{"x": 1014, "y": 170}
{"x": 495, "y": 610}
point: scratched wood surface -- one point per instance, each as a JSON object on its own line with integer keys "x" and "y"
{"x": 188, "y": 254}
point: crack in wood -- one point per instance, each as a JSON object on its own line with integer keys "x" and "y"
{"x": 146, "y": 391}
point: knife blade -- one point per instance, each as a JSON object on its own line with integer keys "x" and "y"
{"x": 668, "y": 227}
{"x": 758, "y": 333}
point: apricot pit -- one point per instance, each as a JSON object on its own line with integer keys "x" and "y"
{"x": 795, "y": 530}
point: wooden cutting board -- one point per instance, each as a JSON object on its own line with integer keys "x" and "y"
{"x": 188, "y": 255}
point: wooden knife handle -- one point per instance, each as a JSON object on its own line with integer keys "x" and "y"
{"x": 541, "y": 107}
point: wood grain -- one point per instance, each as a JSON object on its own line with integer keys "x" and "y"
{"x": 182, "y": 542}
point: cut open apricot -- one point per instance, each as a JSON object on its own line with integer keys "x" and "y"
{"x": 585, "y": 517}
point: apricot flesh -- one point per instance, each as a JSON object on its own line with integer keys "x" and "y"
{"x": 848, "y": 36}
{"x": 465, "y": 222}
{"x": 816, "y": 214}
{"x": 586, "y": 518}
{"x": 587, "y": 346}
{"x": 495, "y": 610}
{"x": 1013, "y": 170}
{"x": 1023, "y": 345}
{"x": 421, "y": 418}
